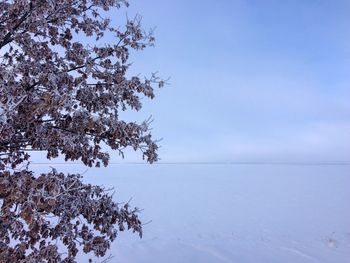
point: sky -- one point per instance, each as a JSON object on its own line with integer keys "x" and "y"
{"x": 250, "y": 80}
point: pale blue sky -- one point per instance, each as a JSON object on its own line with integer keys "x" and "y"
{"x": 250, "y": 80}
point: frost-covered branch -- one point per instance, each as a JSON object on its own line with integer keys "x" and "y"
{"x": 67, "y": 199}
{"x": 62, "y": 97}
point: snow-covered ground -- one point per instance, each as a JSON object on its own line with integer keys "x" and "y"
{"x": 232, "y": 213}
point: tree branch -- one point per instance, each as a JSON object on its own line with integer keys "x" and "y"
{"x": 8, "y": 37}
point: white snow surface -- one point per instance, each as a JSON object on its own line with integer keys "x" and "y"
{"x": 231, "y": 213}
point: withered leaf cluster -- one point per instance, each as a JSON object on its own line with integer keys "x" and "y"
{"x": 62, "y": 95}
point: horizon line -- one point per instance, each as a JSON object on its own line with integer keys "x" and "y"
{"x": 206, "y": 163}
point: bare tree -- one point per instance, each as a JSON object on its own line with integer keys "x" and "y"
{"x": 63, "y": 97}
